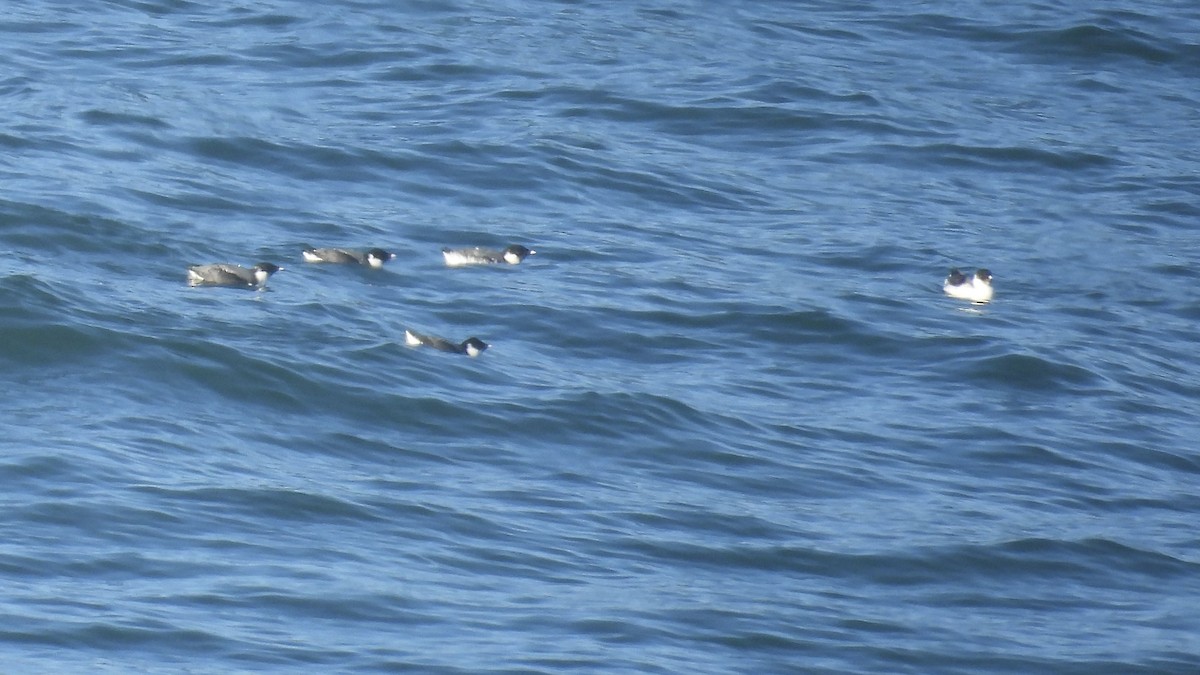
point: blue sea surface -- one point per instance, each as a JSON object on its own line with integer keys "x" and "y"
{"x": 728, "y": 422}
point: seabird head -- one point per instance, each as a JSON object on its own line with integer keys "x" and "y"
{"x": 377, "y": 256}
{"x": 473, "y": 346}
{"x": 263, "y": 270}
{"x": 516, "y": 253}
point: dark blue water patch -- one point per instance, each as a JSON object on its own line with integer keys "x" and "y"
{"x": 606, "y": 417}
{"x": 782, "y": 29}
{"x": 161, "y": 8}
{"x": 1096, "y": 44}
{"x": 744, "y": 559}
{"x": 817, "y": 324}
{"x": 20, "y": 26}
{"x": 1154, "y": 451}
{"x": 184, "y": 63}
{"x": 872, "y": 259}
{"x": 662, "y": 336}
{"x": 440, "y": 72}
{"x": 789, "y": 93}
{"x": 225, "y": 521}
{"x": 963, "y": 654}
{"x": 42, "y": 473}
{"x": 24, "y": 142}
{"x": 1094, "y": 562}
{"x": 423, "y": 515}
{"x": 1159, "y": 377}
{"x": 946, "y": 26}
{"x": 653, "y": 185}
{"x": 490, "y": 174}
{"x": 727, "y": 121}
{"x": 113, "y": 565}
{"x": 1149, "y": 508}
{"x": 31, "y": 300}
{"x": 234, "y": 376}
{"x": 488, "y": 557}
{"x": 1100, "y": 561}
{"x": 379, "y": 444}
{"x": 1013, "y": 158}
{"x": 106, "y": 118}
{"x": 251, "y": 17}
{"x": 278, "y": 504}
{"x": 367, "y": 608}
{"x": 688, "y": 521}
{"x": 97, "y": 640}
{"x": 747, "y": 637}
{"x": 1029, "y": 372}
{"x": 48, "y": 231}
{"x": 1018, "y": 452}
{"x": 53, "y": 348}
{"x": 199, "y": 198}
{"x": 350, "y": 60}
{"x": 595, "y": 336}
{"x": 1188, "y": 212}
{"x": 307, "y": 162}
{"x": 1093, "y": 84}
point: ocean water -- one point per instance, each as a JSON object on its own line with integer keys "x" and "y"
{"x": 728, "y": 421}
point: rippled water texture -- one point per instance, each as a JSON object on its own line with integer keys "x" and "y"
{"x": 728, "y": 421}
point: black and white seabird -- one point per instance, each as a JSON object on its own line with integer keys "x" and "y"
{"x": 477, "y": 255}
{"x": 977, "y": 288}
{"x": 472, "y": 346}
{"x": 225, "y": 274}
{"x": 374, "y": 257}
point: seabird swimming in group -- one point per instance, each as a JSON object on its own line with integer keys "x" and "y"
{"x": 976, "y": 287}
{"x": 477, "y": 255}
{"x": 374, "y": 257}
{"x": 226, "y": 274}
{"x": 472, "y": 346}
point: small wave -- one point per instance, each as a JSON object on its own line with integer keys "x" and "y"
{"x": 277, "y": 503}
{"x": 604, "y": 416}
{"x": 52, "y": 345}
{"x": 1097, "y": 559}
{"x": 1013, "y": 158}
{"x": 45, "y": 328}
{"x": 108, "y": 118}
{"x": 654, "y": 184}
{"x": 107, "y": 636}
{"x": 1090, "y": 42}
{"x": 247, "y": 17}
{"x": 46, "y": 231}
{"x": 1093, "y": 557}
{"x": 1030, "y": 372}
{"x": 295, "y": 160}
{"x": 26, "y": 297}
